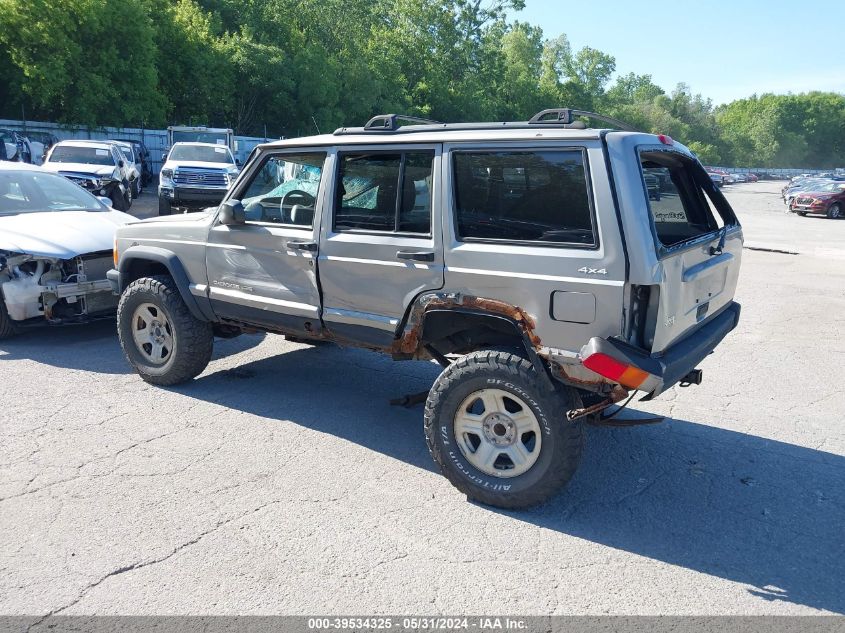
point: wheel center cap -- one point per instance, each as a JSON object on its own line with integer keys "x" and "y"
{"x": 157, "y": 332}
{"x": 499, "y": 429}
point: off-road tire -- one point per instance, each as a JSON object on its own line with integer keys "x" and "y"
{"x": 193, "y": 338}
{"x": 834, "y": 211}
{"x": 164, "y": 207}
{"x": 8, "y": 328}
{"x": 562, "y": 440}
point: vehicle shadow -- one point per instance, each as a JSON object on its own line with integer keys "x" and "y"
{"x": 735, "y": 506}
{"x": 91, "y": 347}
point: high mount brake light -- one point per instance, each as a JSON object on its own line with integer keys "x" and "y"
{"x": 665, "y": 139}
{"x": 625, "y": 375}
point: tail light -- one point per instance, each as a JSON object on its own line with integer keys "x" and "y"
{"x": 625, "y": 375}
{"x": 115, "y": 253}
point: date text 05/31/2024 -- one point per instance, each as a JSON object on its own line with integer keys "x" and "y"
{"x": 417, "y": 623}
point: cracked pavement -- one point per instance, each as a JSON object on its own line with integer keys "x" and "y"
{"x": 282, "y": 482}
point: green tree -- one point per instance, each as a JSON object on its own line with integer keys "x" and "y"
{"x": 632, "y": 88}
{"x": 83, "y": 61}
{"x": 195, "y": 75}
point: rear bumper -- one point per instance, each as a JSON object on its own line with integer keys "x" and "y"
{"x": 676, "y": 362}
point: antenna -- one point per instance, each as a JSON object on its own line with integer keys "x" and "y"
{"x": 315, "y": 124}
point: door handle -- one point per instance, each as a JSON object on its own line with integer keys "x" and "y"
{"x": 416, "y": 256}
{"x": 302, "y": 246}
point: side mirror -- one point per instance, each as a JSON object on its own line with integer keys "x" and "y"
{"x": 232, "y": 213}
{"x": 105, "y": 201}
{"x": 120, "y": 163}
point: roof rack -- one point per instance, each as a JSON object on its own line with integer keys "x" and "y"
{"x": 390, "y": 122}
{"x": 565, "y": 116}
{"x": 554, "y": 117}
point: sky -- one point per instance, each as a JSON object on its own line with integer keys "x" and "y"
{"x": 724, "y": 50}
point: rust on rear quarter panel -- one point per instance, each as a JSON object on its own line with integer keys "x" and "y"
{"x": 409, "y": 342}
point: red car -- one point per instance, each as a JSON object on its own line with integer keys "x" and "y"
{"x": 827, "y": 199}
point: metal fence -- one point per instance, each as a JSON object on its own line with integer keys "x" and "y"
{"x": 155, "y": 140}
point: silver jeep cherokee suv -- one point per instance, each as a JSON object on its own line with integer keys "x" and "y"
{"x": 550, "y": 268}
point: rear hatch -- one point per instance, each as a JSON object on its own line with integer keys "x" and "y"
{"x": 697, "y": 241}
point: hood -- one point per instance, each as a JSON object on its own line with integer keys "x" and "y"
{"x": 80, "y": 168}
{"x": 194, "y": 216}
{"x": 200, "y": 165}
{"x": 60, "y": 234}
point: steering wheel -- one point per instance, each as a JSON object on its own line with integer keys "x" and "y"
{"x": 297, "y": 196}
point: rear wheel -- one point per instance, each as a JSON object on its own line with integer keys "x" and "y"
{"x": 160, "y": 337}
{"x": 499, "y": 433}
{"x": 834, "y": 211}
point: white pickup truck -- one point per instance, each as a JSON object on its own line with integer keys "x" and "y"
{"x": 194, "y": 176}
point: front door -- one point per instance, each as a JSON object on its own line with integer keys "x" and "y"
{"x": 264, "y": 271}
{"x": 380, "y": 246}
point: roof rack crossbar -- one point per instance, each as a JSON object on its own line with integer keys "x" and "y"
{"x": 390, "y": 122}
{"x": 554, "y": 117}
{"x": 565, "y": 116}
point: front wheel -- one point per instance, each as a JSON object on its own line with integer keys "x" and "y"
{"x": 164, "y": 207}
{"x": 160, "y": 337}
{"x": 834, "y": 212}
{"x": 499, "y": 433}
{"x": 119, "y": 200}
{"x": 8, "y": 328}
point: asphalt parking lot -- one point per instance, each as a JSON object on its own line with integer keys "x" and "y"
{"x": 282, "y": 482}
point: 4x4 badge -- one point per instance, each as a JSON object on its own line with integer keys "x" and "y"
{"x": 592, "y": 271}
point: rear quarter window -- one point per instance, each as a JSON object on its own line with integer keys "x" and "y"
{"x": 523, "y": 196}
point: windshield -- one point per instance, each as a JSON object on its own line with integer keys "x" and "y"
{"x": 32, "y": 191}
{"x": 832, "y": 187}
{"x": 203, "y": 153}
{"x": 199, "y": 136}
{"x": 77, "y": 154}
{"x": 127, "y": 153}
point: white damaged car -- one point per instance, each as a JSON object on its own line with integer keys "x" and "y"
{"x": 56, "y": 242}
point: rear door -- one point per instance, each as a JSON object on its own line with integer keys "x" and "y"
{"x": 697, "y": 238}
{"x": 380, "y": 246}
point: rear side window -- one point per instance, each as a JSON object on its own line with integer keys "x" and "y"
{"x": 679, "y": 206}
{"x": 539, "y": 196}
{"x": 385, "y": 192}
